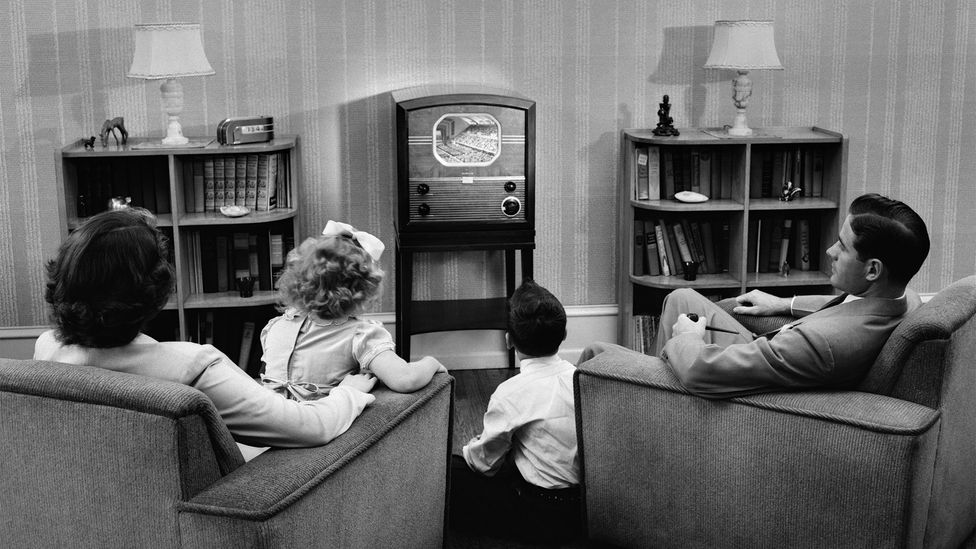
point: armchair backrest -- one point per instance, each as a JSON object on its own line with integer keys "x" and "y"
{"x": 103, "y": 454}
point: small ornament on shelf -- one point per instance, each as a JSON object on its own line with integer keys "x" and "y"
{"x": 89, "y": 143}
{"x": 789, "y": 192}
{"x": 665, "y": 124}
{"x": 784, "y": 269}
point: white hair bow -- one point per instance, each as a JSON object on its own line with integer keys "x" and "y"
{"x": 373, "y": 246}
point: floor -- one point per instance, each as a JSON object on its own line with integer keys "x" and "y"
{"x": 472, "y": 390}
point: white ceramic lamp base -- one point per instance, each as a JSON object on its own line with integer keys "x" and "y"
{"x": 172, "y": 92}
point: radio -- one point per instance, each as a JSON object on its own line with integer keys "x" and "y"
{"x": 245, "y": 129}
{"x": 465, "y": 161}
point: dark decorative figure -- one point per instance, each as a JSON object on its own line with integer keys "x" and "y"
{"x": 89, "y": 143}
{"x": 665, "y": 124}
{"x": 109, "y": 127}
{"x": 789, "y": 192}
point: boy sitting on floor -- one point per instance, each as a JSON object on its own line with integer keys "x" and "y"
{"x": 531, "y": 418}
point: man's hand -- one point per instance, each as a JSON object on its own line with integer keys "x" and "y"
{"x": 359, "y": 382}
{"x": 684, "y": 325}
{"x": 760, "y": 303}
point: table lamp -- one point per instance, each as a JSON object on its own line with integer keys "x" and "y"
{"x": 743, "y": 46}
{"x": 169, "y": 51}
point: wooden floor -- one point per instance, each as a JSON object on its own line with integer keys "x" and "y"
{"x": 472, "y": 390}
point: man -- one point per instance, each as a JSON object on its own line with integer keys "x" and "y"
{"x": 834, "y": 339}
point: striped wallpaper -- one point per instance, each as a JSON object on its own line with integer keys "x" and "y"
{"x": 896, "y": 77}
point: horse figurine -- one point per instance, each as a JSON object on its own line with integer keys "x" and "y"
{"x": 89, "y": 143}
{"x": 109, "y": 127}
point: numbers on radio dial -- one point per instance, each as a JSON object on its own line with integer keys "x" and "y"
{"x": 423, "y": 209}
{"x": 511, "y": 206}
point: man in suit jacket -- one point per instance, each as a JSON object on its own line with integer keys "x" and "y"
{"x": 834, "y": 339}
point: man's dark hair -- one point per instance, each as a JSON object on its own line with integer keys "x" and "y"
{"x": 889, "y": 230}
{"x": 536, "y": 320}
{"x": 110, "y": 278}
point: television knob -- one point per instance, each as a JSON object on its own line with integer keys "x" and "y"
{"x": 510, "y": 187}
{"x": 423, "y": 209}
{"x": 423, "y": 188}
{"x": 511, "y": 206}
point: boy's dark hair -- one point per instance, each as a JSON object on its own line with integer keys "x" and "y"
{"x": 110, "y": 278}
{"x": 536, "y": 320}
{"x": 889, "y": 230}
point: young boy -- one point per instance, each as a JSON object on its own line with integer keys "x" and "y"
{"x": 531, "y": 424}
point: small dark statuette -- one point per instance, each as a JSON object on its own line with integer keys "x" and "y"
{"x": 784, "y": 270}
{"x": 109, "y": 127}
{"x": 665, "y": 124}
{"x": 789, "y": 192}
{"x": 89, "y": 143}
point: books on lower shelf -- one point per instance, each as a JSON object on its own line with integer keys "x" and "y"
{"x": 777, "y": 239}
{"x": 660, "y": 246}
{"x": 218, "y": 257}
{"x": 235, "y": 332}
{"x": 645, "y": 333}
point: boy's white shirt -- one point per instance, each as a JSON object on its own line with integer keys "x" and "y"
{"x": 533, "y": 415}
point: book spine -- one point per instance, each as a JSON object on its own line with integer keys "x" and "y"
{"x": 209, "y": 185}
{"x": 250, "y": 179}
{"x": 683, "y": 249}
{"x": 240, "y": 179}
{"x": 242, "y": 267}
{"x": 223, "y": 275}
{"x": 803, "y": 250}
{"x": 784, "y": 245}
{"x": 694, "y": 178}
{"x": 650, "y": 250}
{"x": 220, "y": 183}
{"x": 262, "y": 178}
{"x": 696, "y": 237}
{"x": 667, "y": 159}
{"x": 662, "y": 252}
{"x": 705, "y": 173}
{"x": 708, "y": 243}
{"x": 673, "y": 252}
{"x": 247, "y": 336}
{"x": 277, "y": 254}
{"x": 654, "y": 172}
{"x": 253, "y": 261}
{"x": 639, "y": 248}
{"x": 641, "y": 187}
{"x": 230, "y": 180}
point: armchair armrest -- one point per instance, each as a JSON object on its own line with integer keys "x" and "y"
{"x": 839, "y": 468}
{"x": 381, "y": 483}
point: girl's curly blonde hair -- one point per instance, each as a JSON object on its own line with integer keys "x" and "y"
{"x": 330, "y": 277}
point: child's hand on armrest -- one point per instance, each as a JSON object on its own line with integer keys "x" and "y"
{"x": 402, "y": 376}
{"x": 359, "y": 382}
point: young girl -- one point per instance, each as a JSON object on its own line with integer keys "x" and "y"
{"x": 318, "y": 340}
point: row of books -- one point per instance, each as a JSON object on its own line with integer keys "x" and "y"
{"x": 217, "y": 258}
{"x": 101, "y": 179}
{"x": 236, "y": 332}
{"x": 661, "y": 246}
{"x": 258, "y": 181}
{"x": 779, "y": 239}
{"x": 772, "y": 168}
{"x": 660, "y": 172}
{"x": 645, "y": 333}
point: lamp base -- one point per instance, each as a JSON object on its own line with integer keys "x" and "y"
{"x": 740, "y": 128}
{"x": 172, "y": 92}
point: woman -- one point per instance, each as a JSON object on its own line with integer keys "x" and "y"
{"x": 111, "y": 277}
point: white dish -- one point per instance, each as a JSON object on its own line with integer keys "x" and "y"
{"x": 235, "y": 211}
{"x": 689, "y": 196}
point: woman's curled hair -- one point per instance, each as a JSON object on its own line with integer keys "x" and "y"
{"x": 330, "y": 277}
{"x": 110, "y": 278}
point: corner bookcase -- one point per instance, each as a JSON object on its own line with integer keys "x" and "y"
{"x": 183, "y": 187}
{"x": 737, "y": 235}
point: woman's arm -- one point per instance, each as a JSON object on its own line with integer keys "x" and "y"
{"x": 402, "y": 376}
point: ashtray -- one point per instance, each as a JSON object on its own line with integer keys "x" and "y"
{"x": 235, "y": 211}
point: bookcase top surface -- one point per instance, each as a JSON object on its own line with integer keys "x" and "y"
{"x": 77, "y": 149}
{"x": 714, "y": 136}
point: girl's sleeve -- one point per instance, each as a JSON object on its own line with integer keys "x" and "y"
{"x": 370, "y": 339}
{"x": 260, "y": 417}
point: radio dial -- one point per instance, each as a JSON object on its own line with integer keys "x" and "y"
{"x": 511, "y": 206}
{"x": 510, "y": 187}
{"x": 423, "y": 188}
{"x": 423, "y": 209}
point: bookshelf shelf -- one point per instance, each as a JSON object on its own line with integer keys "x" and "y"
{"x": 739, "y": 230}
{"x": 185, "y": 188}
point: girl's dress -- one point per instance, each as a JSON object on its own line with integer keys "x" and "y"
{"x": 305, "y": 356}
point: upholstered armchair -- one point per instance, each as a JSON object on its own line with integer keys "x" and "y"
{"x": 94, "y": 458}
{"x": 892, "y": 464}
